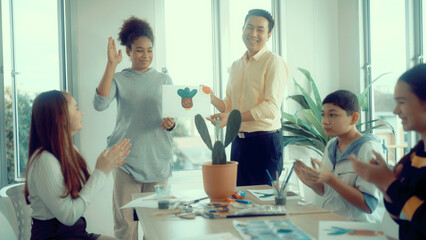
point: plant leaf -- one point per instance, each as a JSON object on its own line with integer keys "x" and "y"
{"x": 312, "y": 106}
{"x": 316, "y": 124}
{"x": 384, "y": 123}
{"x": 193, "y": 92}
{"x": 218, "y": 155}
{"x": 203, "y": 131}
{"x": 300, "y": 99}
{"x": 296, "y": 129}
{"x": 362, "y": 97}
{"x": 288, "y": 116}
{"x": 181, "y": 93}
{"x": 317, "y": 96}
{"x": 304, "y": 142}
{"x": 233, "y": 126}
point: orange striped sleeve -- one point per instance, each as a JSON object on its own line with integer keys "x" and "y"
{"x": 411, "y": 206}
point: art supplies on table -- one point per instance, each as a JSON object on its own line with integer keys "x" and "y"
{"x": 350, "y": 230}
{"x": 269, "y": 229}
{"x": 235, "y": 210}
{"x": 268, "y": 194}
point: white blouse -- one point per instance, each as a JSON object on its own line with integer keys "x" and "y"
{"x": 46, "y": 187}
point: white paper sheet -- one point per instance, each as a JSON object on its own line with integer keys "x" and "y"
{"x": 148, "y": 202}
{"x": 173, "y": 106}
{"x": 151, "y": 200}
{"x": 329, "y": 230}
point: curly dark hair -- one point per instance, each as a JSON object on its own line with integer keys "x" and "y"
{"x": 261, "y": 13}
{"x": 134, "y": 28}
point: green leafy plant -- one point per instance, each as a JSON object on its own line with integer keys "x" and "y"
{"x": 305, "y": 123}
{"x": 218, "y": 149}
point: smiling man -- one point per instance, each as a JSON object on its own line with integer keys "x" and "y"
{"x": 256, "y": 88}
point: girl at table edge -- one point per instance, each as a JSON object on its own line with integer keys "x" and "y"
{"x": 58, "y": 185}
{"x": 404, "y": 187}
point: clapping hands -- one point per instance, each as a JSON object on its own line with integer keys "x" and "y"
{"x": 376, "y": 171}
{"x": 311, "y": 176}
{"x": 108, "y": 160}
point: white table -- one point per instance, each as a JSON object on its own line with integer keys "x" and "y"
{"x": 172, "y": 227}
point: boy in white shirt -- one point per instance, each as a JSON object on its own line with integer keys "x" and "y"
{"x": 343, "y": 191}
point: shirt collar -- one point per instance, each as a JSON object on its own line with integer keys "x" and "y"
{"x": 258, "y": 55}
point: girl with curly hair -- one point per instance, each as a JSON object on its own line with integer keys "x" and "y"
{"x": 58, "y": 185}
{"x": 137, "y": 91}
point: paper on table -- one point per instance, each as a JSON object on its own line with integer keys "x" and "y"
{"x": 215, "y": 236}
{"x": 151, "y": 200}
{"x": 148, "y": 202}
{"x": 190, "y": 195}
{"x": 350, "y": 230}
{"x": 268, "y": 195}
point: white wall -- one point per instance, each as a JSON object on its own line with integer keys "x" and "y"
{"x": 350, "y": 40}
{"x": 93, "y": 22}
{"x": 311, "y": 41}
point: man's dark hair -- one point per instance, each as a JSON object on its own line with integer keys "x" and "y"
{"x": 346, "y": 100}
{"x": 134, "y": 28}
{"x": 261, "y": 13}
{"x": 416, "y": 78}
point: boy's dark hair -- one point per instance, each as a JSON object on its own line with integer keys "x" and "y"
{"x": 261, "y": 13}
{"x": 416, "y": 78}
{"x": 134, "y": 28}
{"x": 346, "y": 100}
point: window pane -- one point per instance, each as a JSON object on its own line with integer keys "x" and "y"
{"x": 388, "y": 54}
{"x": 36, "y": 59}
{"x": 189, "y": 62}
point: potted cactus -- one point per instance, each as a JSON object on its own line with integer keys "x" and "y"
{"x": 219, "y": 175}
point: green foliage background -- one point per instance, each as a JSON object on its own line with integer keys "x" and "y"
{"x": 24, "y": 120}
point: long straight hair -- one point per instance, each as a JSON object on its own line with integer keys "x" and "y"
{"x": 50, "y": 131}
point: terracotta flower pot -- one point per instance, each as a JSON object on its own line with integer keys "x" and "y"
{"x": 219, "y": 180}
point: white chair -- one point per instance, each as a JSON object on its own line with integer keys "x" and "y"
{"x": 16, "y": 194}
{"x": 6, "y": 230}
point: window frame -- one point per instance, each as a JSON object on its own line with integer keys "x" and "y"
{"x": 64, "y": 65}
{"x": 414, "y": 35}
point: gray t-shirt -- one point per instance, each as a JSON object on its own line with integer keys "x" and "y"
{"x": 139, "y": 107}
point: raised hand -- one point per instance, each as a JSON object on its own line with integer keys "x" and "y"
{"x": 108, "y": 160}
{"x": 376, "y": 171}
{"x": 113, "y": 57}
{"x": 167, "y": 123}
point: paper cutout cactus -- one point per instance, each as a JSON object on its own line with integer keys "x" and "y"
{"x": 187, "y": 96}
{"x": 218, "y": 149}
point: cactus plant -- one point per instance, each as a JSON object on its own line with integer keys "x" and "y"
{"x": 187, "y": 96}
{"x": 218, "y": 149}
